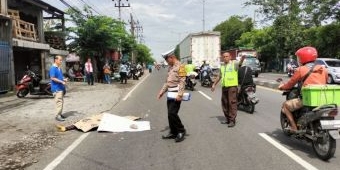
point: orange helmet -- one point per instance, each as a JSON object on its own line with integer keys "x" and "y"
{"x": 306, "y": 54}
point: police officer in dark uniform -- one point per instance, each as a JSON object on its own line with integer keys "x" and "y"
{"x": 175, "y": 83}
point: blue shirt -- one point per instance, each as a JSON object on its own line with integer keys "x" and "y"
{"x": 57, "y": 73}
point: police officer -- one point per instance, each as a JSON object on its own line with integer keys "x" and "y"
{"x": 229, "y": 76}
{"x": 175, "y": 83}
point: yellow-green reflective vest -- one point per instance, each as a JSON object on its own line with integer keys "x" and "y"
{"x": 189, "y": 68}
{"x": 229, "y": 75}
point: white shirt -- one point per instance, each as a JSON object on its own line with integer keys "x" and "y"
{"x": 88, "y": 67}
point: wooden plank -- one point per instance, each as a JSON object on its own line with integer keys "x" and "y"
{"x": 13, "y": 13}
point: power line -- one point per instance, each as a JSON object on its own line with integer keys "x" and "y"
{"x": 90, "y": 7}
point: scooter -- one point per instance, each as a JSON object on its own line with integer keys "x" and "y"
{"x": 190, "y": 81}
{"x": 247, "y": 98}
{"x": 33, "y": 84}
{"x": 315, "y": 124}
{"x": 291, "y": 68}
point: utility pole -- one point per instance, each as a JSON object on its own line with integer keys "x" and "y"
{"x": 132, "y": 24}
{"x": 203, "y": 15}
{"x": 121, "y": 5}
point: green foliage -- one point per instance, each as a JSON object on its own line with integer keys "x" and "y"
{"x": 93, "y": 35}
{"x": 325, "y": 38}
{"x": 143, "y": 54}
{"x": 232, "y": 29}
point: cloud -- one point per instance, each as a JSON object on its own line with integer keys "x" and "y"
{"x": 154, "y": 11}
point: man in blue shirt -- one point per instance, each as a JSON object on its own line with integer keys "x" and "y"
{"x": 58, "y": 86}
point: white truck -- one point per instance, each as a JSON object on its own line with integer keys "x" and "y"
{"x": 202, "y": 46}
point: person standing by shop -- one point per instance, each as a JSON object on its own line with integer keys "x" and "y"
{"x": 89, "y": 71}
{"x": 107, "y": 73}
{"x": 229, "y": 76}
{"x": 175, "y": 83}
{"x": 123, "y": 70}
{"x": 58, "y": 86}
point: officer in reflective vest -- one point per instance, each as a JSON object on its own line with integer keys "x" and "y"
{"x": 175, "y": 83}
{"x": 229, "y": 76}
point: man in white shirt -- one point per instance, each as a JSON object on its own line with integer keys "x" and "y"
{"x": 89, "y": 71}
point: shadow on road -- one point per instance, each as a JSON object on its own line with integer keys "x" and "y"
{"x": 294, "y": 144}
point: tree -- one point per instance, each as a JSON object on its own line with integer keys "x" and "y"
{"x": 312, "y": 12}
{"x": 93, "y": 35}
{"x": 262, "y": 41}
{"x": 232, "y": 29}
{"x": 143, "y": 54}
{"x": 177, "y": 52}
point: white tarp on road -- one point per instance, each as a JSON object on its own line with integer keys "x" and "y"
{"x": 114, "y": 123}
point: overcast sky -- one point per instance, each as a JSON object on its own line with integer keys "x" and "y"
{"x": 166, "y": 22}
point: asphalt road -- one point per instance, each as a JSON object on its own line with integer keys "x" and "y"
{"x": 208, "y": 145}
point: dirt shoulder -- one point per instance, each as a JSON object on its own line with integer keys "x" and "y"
{"x": 27, "y": 126}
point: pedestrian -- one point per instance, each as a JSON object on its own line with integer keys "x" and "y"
{"x": 229, "y": 76}
{"x": 89, "y": 71}
{"x": 150, "y": 68}
{"x": 175, "y": 82}
{"x": 123, "y": 72}
{"x": 58, "y": 86}
{"x": 107, "y": 73}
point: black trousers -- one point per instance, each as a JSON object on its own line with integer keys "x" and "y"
{"x": 175, "y": 122}
{"x": 123, "y": 77}
{"x": 89, "y": 77}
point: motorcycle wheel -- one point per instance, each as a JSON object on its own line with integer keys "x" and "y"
{"x": 22, "y": 93}
{"x": 325, "y": 146}
{"x": 251, "y": 108}
{"x": 284, "y": 124}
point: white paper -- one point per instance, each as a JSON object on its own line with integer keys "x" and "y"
{"x": 114, "y": 123}
{"x": 173, "y": 95}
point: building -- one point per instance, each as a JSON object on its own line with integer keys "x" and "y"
{"x": 23, "y": 42}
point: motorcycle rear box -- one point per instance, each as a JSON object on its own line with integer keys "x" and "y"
{"x": 317, "y": 95}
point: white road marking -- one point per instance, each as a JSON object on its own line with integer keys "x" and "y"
{"x": 128, "y": 95}
{"x": 66, "y": 152}
{"x": 289, "y": 153}
{"x": 206, "y": 96}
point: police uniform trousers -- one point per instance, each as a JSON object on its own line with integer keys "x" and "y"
{"x": 229, "y": 103}
{"x": 175, "y": 122}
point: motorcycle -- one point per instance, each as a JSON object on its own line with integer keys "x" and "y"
{"x": 33, "y": 84}
{"x": 247, "y": 98}
{"x": 315, "y": 125}
{"x": 135, "y": 73}
{"x": 190, "y": 81}
{"x": 291, "y": 68}
{"x": 206, "y": 79}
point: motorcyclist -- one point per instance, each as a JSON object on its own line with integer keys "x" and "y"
{"x": 245, "y": 78}
{"x": 190, "y": 70}
{"x": 205, "y": 71}
{"x": 291, "y": 66}
{"x": 306, "y": 57}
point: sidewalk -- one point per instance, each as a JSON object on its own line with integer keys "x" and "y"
{"x": 27, "y": 125}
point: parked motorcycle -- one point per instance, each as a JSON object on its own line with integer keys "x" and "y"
{"x": 135, "y": 73}
{"x": 33, "y": 84}
{"x": 190, "y": 81}
{"x": 315, "y": 125}
{"x": 247, "y": 98}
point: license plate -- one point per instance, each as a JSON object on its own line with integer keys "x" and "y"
{"x": 330, "y": 124}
